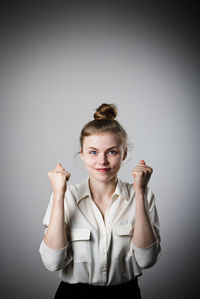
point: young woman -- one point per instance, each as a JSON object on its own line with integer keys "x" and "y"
{"x": 102, "y": 233}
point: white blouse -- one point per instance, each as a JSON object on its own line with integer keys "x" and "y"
{"x": 100, "y": 251}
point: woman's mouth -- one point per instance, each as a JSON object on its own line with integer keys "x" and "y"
{"x": 103, "y": 169}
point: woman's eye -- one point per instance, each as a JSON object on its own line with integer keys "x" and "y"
{"x": 93, "y": 152}
{"x": 112, "y": 152}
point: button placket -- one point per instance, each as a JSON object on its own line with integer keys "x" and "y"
{"x": 103, "y": 255}
{"x": 103, "y": 241}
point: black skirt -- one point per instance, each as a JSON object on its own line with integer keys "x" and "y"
{"x": 84, "y": 290}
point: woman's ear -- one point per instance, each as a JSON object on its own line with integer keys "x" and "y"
{"x": 81, "y": 153}
{"x": 125, "y": 153}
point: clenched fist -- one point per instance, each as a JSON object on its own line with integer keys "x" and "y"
{"x": 58, "y": 178}
{"x": 141, "y": 174}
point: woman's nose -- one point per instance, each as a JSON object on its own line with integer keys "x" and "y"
{"x": 103, "y": 159}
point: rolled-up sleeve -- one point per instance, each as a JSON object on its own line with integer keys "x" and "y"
{"x": 53, "y": 259}
{"x": 149, "y": 256}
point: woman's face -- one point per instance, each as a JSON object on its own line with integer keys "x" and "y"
{"x": 102, "y": 155}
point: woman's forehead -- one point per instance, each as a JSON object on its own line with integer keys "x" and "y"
{"x": 104, "y": 140}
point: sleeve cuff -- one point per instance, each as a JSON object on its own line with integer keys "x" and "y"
{"x": 148, "y": 256}
{"x": 53, "y": 259}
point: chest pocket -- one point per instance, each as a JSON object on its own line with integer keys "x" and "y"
{"x": 122, "y": 238}
{"x": 80, "y": 240}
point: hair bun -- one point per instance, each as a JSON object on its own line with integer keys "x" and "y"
{"x": 106, "y": 111}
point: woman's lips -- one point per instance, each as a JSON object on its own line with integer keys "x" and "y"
{"x": 103, "y": 169}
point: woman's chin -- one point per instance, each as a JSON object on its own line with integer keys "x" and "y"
{"x": 103, "y": 177}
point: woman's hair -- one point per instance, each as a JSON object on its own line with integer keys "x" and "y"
{"x": 104, "y": 122}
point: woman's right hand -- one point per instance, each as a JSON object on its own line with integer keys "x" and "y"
{"x": 58, "y": 178}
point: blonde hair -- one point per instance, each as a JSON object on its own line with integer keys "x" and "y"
{"x": 104, "y": 121}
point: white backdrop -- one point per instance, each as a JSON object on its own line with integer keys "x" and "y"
{"x": 56, "y": 70}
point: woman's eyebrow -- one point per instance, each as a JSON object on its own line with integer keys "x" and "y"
{"x": 107, "y": 148}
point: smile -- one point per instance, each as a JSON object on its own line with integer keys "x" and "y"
{"x": 103, "y": 169}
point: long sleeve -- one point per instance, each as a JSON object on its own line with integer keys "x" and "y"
{"x": 53, "y": 259}
{"x": 147, "y": 257}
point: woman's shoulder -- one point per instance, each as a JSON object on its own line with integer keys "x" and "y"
{"x": 129, "y": 188}
{"x": 78, "y": 190}
{"x": 77, "y": 186}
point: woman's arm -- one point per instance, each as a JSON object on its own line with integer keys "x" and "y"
{"x": 146, "y": 242}
{"x": 55, "y": 237}
{"x": 144, "y": 234}
{"x": 53, "y": 248}
{"x": 53, "y": 254}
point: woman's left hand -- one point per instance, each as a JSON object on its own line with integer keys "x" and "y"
{"x": 141, "y": 174}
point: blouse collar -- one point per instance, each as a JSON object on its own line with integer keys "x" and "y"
{"x": 84, "y": 190}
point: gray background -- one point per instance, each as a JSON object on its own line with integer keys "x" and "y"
{"x": 58, "y": 63}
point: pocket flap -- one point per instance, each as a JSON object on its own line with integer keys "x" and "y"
{"x": 80, "y": 234}
{"x": 124, "y": 230}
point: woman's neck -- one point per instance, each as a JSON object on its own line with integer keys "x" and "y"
{"x": 102, "y": 190}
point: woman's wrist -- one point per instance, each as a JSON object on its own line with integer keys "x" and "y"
{"x": 58, "y": 196}
{"x": 141, "y": 190}
{"x": 141, "y": 198}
